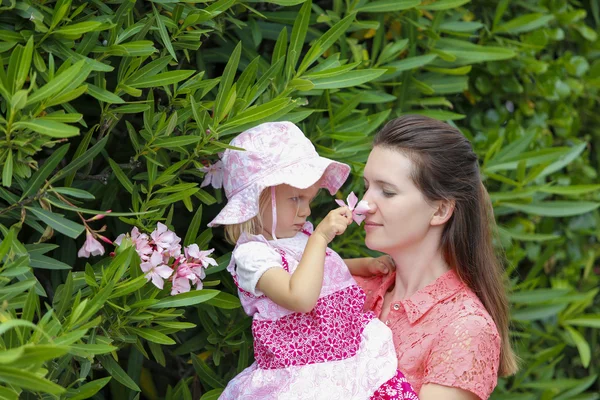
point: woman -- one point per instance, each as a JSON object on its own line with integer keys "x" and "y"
{"x": 446, "y": 303}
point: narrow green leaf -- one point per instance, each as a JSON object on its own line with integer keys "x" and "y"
{"x": 588, "y": 320}
{"x": 298, "y": 35}
{"x": 206, "y": 374}
{"x": 176, "y": 141}
{"x": 121, "y": 175}
{"x": 525, "y": 23}
{"x": 89, "y": 389}
{"x": 24, "y": 379}
{"x": 162, "y": 79}
{"x": 48, "y": 127}
{"x": 443, "y": 5}
{"x": 7, "y": 170}
{"x": 555, "y": 208}
{"x": 186, "y": 299}
{"x": 388, "y": 5}
{"x": 582, "y": 345}
{"x": 223, "y": 94}
{"x": 58, "y": 223}
{"x": 74, "y": 31}
{"x": 81, "y": 161}
{"x": 103, "y": 95}
{"x": 152, "y": 335}
{"x": 164, "y": 35}
{"x": 352, "y": 78}
{"x": 41, "y": 174}
{"x": 57, "y": 84}
{"x": 225, "y": 300}
{"x": 43, "y": 262}
{"x": 115, "y": 370}
{"x": 193, "y": 228}
{"x": 81, "y": 194}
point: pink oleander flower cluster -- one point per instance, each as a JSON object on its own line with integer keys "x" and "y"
{"x": 163, "y": 259}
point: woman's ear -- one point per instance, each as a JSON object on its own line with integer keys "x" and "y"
{"x": 445, "y": 209}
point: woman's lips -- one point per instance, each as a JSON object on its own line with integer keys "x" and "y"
{"x": 369, "y": 226}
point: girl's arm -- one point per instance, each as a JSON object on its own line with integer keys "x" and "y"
{"x": 300, "y": 291}
{"x": 369, "y": 266}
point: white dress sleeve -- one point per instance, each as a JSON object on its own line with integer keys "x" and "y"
{"x": 252, "y": 259}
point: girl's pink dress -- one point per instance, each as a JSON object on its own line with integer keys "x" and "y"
{"x": 335, "y": 352}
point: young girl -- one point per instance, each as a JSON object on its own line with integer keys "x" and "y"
{"x": 312, "y": 339}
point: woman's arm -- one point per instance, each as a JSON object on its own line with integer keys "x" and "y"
{"x": 431, "y": 391}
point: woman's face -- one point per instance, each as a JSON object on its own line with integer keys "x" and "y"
{"x": 400, "y": 216}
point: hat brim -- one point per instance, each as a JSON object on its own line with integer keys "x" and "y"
{"x": 244, "y": 205}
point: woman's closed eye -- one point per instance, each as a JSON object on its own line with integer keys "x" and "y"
{"x": 388, "y": 194}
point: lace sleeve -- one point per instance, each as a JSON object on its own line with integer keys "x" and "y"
{"x": 466, "y": 356}
{"x": 252, "y": 260}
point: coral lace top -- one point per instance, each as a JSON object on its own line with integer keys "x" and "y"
{"x": 442, "y": 334}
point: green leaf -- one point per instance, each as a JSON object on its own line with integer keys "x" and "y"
{"x": 223, "y": 93}
{"x": 7, "y": 170}
{"x": 411, "y": 63}
{"x": 257, "y": 113}
{"x": 215, "y": 393}
{"x": 525, "y": 23}
{"x": 8, "y": 394}
{"x": 176, "y": 141}
{"x": 388, "y": 5}
{"x": 588, "y": 320}
{"x": 121, "y": 175}
{"x": 24, "y": 65}
{"x": 582, "y": 345}
{"x": 298, "y": 35}
{"x": 193, "y": 228}
{"x": 24, "y": 379}
{"x": 152, "y": 335}
{"x": 537, "y": 296}
{"x": 186, "y": 299}
{"x": 40, "y": 261}
{"x": 164, "y": 35}
{"x": 57, "y": 84}
{"x": 439, "y": 114}
{"x": 351, "y": 78}
{"x": 555, "y": 208}
{"x": 225, "y": 301}
{"x": 443, "y": 5}
{"x": 115, "y": 370}
{"x": 325, "y": 42}
{"x": 103, "y": 95}
{"x": 58, "y": 223}
{"x": 81, "y": 194}
{"x": 74, "y": 31}
{"x": 92, "y": 349}
{"x": 206, "y": 374}
{"x": 88, "y": 390}
{"x": 38, "y": 354}
{"x": 529, "y": 237}
{"x": 162, "y": 79}
{"x": 48, "y": 128}
{"x": 41, "y": 174}
{"x": 17, "y": 288}
{"x": 81, "y": 161}
{"x": 537, "y": 312}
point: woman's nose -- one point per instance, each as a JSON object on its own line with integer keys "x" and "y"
{"x": 372, "y": 205}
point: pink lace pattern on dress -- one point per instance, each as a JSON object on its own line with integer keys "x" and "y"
{"x": 397, "y": 388}
{"x": 442, "y": 334}
{"x": 330, "y": 332}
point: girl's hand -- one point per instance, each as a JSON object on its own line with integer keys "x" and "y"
{"x": 380, "y": 266}
{"x": 335, "y": 223}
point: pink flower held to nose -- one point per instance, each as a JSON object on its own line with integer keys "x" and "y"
{"x": 358, "y": 208}
{"x": 90, "y": 247}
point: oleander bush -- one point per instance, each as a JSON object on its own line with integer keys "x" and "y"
{"x": 112, "y": 118}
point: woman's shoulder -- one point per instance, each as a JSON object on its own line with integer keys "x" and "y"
{"x": 470, "y": 313}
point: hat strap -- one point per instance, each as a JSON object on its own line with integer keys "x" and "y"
{"x": 274, "y": 211}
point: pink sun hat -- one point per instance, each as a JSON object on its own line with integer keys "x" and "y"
{"x": 275, "y": 153}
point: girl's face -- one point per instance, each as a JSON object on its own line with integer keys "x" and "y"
{"x": 293, "y": 207}
{"x": 400, "y": 216}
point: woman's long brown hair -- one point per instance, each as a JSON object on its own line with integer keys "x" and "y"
{"x": 446, "y": 168}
